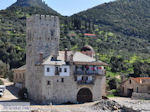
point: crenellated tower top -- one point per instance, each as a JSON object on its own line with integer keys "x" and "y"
{"x": 43, "y": 34}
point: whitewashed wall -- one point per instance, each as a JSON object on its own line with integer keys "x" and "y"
{"x": 62, "y": 73}
{"x": 51, "y": 70}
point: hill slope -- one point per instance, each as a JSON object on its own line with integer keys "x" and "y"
{"x": 32, "y": 3}
{"x": 111, "y": 37}
{"x": 13, "y": 27}
{"x": 130, "y": 17}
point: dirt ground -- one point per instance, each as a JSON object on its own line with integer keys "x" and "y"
{"x": 10, "y": 94}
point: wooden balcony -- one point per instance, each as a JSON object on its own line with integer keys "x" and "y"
{"x": 85, "y": 82}
{"x": 103, "y": 72}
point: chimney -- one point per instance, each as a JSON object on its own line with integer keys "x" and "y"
{"x": 41, "y": 58}
{"x": 71, "y": 58}
{"x": 66, "y": 54}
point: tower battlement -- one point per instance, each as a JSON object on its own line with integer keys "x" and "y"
{"x": 42, "y": 35}
{"x": 43, "y": 20}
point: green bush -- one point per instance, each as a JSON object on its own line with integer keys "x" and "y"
{"x": 1, "y": 82}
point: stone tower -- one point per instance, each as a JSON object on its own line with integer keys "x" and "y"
{"x": 42, "y": 40}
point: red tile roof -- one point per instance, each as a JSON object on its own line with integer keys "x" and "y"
{"x": 87, "y": 34}
{"x": 139, "y": 79}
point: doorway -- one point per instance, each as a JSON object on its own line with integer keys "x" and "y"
{"x": 84, "y": 95}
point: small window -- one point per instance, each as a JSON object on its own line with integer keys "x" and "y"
{"x": 82, "y": 78}
{"x": 130, "y": 81}
{"x": 57, "y": 71}
{"x": 75, "y": 78}
{"x": 60, "y": 69}
{"x": 65, "y": 69}
{"x": 48, "y": 82}
{"x": 62, "y": 79}
{"x": 48, "y": 69}
{"x": 137, "y": 89}
{"x": 52, "y": 33}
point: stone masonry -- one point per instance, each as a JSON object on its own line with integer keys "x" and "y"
{"x": 43, "y": 33}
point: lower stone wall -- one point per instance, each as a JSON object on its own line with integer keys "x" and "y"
{"x": 144, "y": 96}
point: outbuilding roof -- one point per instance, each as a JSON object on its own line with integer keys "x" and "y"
{"x": 20, "y": 68}
{"x": 141, "y": 80}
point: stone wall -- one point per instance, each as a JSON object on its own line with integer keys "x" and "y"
{"x": 42, "y": 36}
{"x": 142, "y": 96}
{"x": 58, "y": 92}
{"x": 19, "y": 77}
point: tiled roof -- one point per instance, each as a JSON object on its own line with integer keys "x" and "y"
{"x": 48, "y": 61}
{"x": 87, "y": 34}
{"x": 21, "y": 68}
{"x": 141, "y": 80}
{"x": 77, "y": 57}
{"x": 80, "y": 57}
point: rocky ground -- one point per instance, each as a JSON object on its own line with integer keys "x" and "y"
{"x": 139, "y": 105}
{"x": 99, "y": 106}
{"x": 117, "y": 104}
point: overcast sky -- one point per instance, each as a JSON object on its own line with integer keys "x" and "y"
{"x": 65, "y": 7}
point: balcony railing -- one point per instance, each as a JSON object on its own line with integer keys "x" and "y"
{"x": 85, "y": 82}
{"x": 90, "y": 72}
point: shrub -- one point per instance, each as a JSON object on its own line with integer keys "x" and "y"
{"x": 112, "y": 83}
{"x": 1, "y": 82}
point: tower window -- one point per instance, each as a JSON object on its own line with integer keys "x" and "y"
{"x": 52, "y": 33}
{"x": 65, "y": 69}
{"x": 48, "y": 82}
{"x": 130, "y": 81}
{"x": 62, "y": 79}
{"x": 48, "y": 69}
{"x": 137, "y": 89}
{"x": 60, "y": 69}
{"x": 57, "y": 71}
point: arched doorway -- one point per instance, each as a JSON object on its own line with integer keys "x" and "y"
{"x": 84, "y": 95}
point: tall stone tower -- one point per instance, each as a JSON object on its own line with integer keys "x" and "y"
{"x": 42, "y": 38}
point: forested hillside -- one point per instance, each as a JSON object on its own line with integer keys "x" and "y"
{"x": 130, "y": 17}
{"x": 13, "y": 27}
{"x": 121, "y": 29}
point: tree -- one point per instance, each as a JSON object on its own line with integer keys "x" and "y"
{"x": 117, "y": 64}
{"x": 3, "y": 69}
{"x": 112, "y": 83}
{"x": 1, "y": 82}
